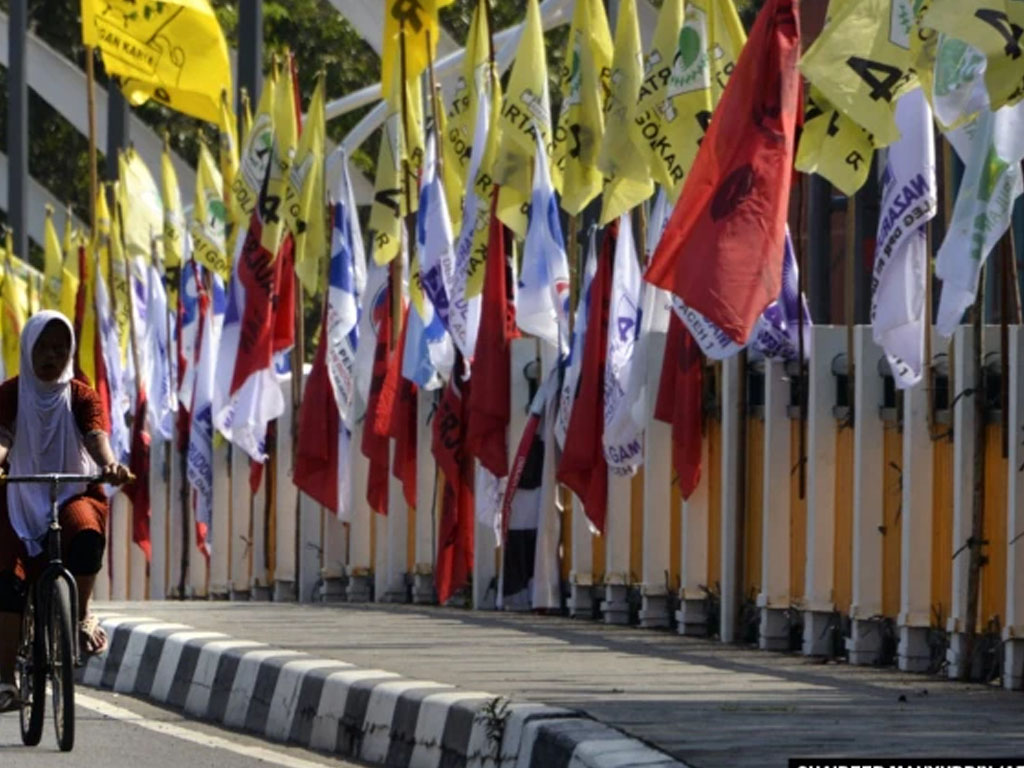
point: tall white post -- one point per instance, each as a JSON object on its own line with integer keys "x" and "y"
{"x": 1013, "y": 632}
{"x": 357, "y": 567}
{"x": 332, "y": 571}
{"x": 397, "y": 526}
{"x": 175, "y": 541}
{"x": 136, "y": 572}
{"x": 733, "y": 448}
{"x": 220, "y": 525}
{"x": 692, "y": 617}
{"x": 286, "y": 512}
{"x": 865, "y": 644}
{"x": 241, "y": 541}
{"x": 616, "y": 529}
{"x": 581, "y": 576}
{"x": 827, "y": 342}
{"x": 427, "y": 513}
{"x": 260, "y": 588}
{"x": 547, "y": 580}
{"x": 774, "y": 597}
{"x": 311, "y": 549}
{"x": 120, "y": 541}
{"x": 657, "y": 497}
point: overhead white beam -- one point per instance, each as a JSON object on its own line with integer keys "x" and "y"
{"x": 38, "y": 198}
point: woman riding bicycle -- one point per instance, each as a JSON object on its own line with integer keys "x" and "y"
{"x": 50, "y": 422}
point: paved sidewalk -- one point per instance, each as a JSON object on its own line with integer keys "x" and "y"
{"x": 709, "y": 705}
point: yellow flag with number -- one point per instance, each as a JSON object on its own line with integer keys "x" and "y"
{"x": 527, "y": 107}
{"x": 994, "y": 27}
{"x": 286, "y": 132}
{"x": 833, "y": 146}
{"x": 172, "y": 52}
{"x": 53, "y": 266}
{"x": 209, "y": 217}
{"x": 861, "y": 63}
{"x": 415, "y": 22}
{"x": 257, "y": 147}
{"x": 621, "y": 160}
{"x": 584, "y": 81}
{"x": 389, "y": 198}
{"x": 306, "y": 201}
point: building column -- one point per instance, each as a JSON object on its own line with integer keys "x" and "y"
{"x": 360, "y": 556}
{"x": 427, "y": 480}
{"x": 1013, "y": 632}
{"x": 287, "y": 498}
{"x": 733, "y": 477}
{"x": 773, "y": 600}
{"x": 827, "y": 342}
{"x": 241, "y": 526}
{"x": 657, "y": 497}
{"x": 692, "y": 616}
{"x": 865, "y": 644}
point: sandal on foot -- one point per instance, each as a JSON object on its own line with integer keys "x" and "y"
{"x": 92, "y": 638}
{"x": 10, "y": 700}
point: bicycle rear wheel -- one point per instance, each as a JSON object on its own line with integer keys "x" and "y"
{"x": 60, "y": 643}
{"x": 30, "y": 668}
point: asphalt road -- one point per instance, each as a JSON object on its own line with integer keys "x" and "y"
{"x": 116, "y": 731}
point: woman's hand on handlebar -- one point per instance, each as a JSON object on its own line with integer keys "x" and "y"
{"x": 116, "y": 474}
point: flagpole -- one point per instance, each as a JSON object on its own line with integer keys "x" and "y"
{"x": 90, "y": 80}
{"x": 848, "y": 301}
{"x": 801, "y": 353}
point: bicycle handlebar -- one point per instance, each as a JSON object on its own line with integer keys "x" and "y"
{"x": 53, "y": 477}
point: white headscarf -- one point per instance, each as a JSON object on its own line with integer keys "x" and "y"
{"x": 46, "y": 437}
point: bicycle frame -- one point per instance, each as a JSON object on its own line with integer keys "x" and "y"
{"x": 55, "y": 568}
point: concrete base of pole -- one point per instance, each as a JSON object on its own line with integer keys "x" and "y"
{"x": 334, "y": 590}
{"x": 818, "y": 633}
{"x": 581, "y": 601}
{"x": 956, "y": 654}
{"x": 284, "y": 591}
{"x": 359, "y": 588}
{"x": 654, "y": 611}
{"x": 423, "y": 588}
{"x": 240, "y": 596}
{"x": 913, "y": 653}
{"x": 774, "y": 632}
{"x": 616, "y": 604}
{"x": 692, "y": 618}
{"x": 261, "y": 594}
{"x": 1013, "y": 663}
{"x": 864, "y": 646}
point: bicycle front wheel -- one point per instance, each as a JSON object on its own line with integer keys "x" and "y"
{"x": 30, "y": 667}
{"x": 60, "y": 644}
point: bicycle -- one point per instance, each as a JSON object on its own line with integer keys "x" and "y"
{"x": 49, "y": 640}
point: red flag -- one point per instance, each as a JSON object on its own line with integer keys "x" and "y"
{"x": 260, "y": 276}
{"x": 722, "y": 249}
{"x": 138, "y": 489}
{"x": 490, "y": 403}
{"x": 395, "y": 416}
{"x": 316, "y": 456}
{"x": 375, "y": 444}
{"x": 583, "y": 467}
{"x": 284, "y": 309}
{"x": 455, "y": 537}
{"x": 526, "y": 447}
{"x": 679, "y": 402}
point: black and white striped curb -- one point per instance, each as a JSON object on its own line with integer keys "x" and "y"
{"x": 367, "y": 714}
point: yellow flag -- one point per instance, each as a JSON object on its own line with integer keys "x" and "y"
{"x": 625, "y": 166}
{"x": 923, "y": 47}
{"x": 52, "y": 263}
{"x": 257, "y": 147}
{"x": 174, "y": 216}
{"x": 416, "y": 22}
{"x": 286, "y": 129}
{"x": 453, "y": 181}
{"x": 861, "y": 63}
{"x": 527, "y": 107}
{"x": 461, "y": 121}
{"x": 833, "y": 146}
{"x": 584, "y": 81}
{"x": 108, "y": 254}
{"x": 173, "y": 52}
{"x": 412, "y": 136}
{"x": 209, "y": 217}
{"x": 142, "y": 210}
{"x": 305, "y": 204}
{"x": 229, "y": 158}
{"x": 691, "y": 60}
{"x": 14, "y": 311}
{"x": 69, "y": 281}
{"x": 389, "y": 199}
{"x": 994, "y": 27}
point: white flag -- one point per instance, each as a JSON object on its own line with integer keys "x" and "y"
{"x": 199, "y": 467}
{"x": 434, "y": 238}
{"x": 346, "y": 279}
{"x": 991, "y": 148}
{"x": 623, "y": 436}
{"x": 567, "y": 395}
{"x": 542, "y": 304}
{"x": 120, "y": 400}
{"x": 373, "y": 306}
{"x": 909, "y": 201}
